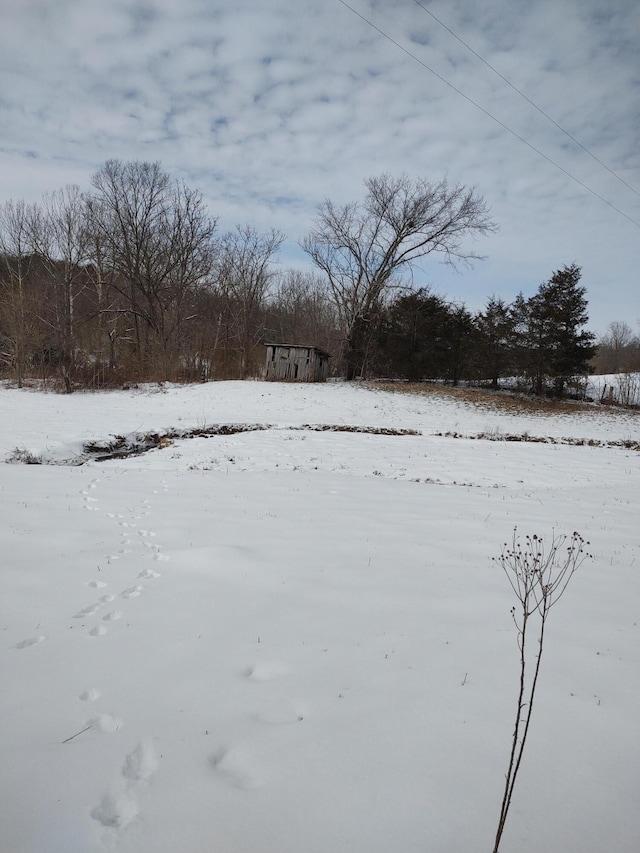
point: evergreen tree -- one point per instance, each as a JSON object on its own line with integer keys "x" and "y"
{"x": 413, "y": 337}
{"x": 557, "y": 346}
{"x": 495, "y": 349}
{"x": 460, "y": 334}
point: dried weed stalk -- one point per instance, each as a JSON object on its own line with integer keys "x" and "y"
{"x": 539, "y": 574}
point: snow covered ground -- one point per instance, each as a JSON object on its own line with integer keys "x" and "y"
{"x": 292, "y": 641}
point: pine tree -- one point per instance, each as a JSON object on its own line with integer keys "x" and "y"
{"x": 412, "y": 341}
{"x": 557, "y": 346}
{"x": 496, "y": 340}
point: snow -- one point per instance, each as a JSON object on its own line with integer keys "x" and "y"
{"x": 291, "y": 640}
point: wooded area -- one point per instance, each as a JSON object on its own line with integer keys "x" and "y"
{"x": 132, "y": 281}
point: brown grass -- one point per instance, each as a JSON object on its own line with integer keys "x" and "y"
{"x": 505, "y": 401}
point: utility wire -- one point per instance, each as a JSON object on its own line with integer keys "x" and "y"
{"x": 487, "y": 113}
{"x": 527, "y": 98}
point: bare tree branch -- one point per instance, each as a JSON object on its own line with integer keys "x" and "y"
{"x": 363, "y": 247}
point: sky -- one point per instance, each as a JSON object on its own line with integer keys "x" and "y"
{"x": 269, "y": 108}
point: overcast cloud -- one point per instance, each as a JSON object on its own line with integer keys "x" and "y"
{"x": 269, "y": 107}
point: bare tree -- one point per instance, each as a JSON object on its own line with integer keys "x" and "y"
{"x": 244, "y": 276}
{"x": 59, "y": 236}
{"x": 362, "y": 247}
{"x": 617, "y": 348}
{"x": 160, "y": 239}
{"x": 16, "y": 262}
{"x": 113, "y": 321}
{"x": 301, "y": 310}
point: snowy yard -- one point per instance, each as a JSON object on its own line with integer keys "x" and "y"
{"x": 295, "y": 641}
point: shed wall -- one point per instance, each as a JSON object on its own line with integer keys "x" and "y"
{"x": 296, "y": 364}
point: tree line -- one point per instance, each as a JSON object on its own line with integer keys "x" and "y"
{"x": 540, "y": 341}
{"x": 618, "y": 350}
{"x": 132, "y": 280}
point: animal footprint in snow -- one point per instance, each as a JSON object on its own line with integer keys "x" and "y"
{"x": 31, "y": 641}
{"x": 234, "y": 765}
{"x": 141, "y": 763}
{"x": 97, "y": 584}
{"x": 89, "y": 695}
{"x": 156, "y": 551}
{"x": 266, "y": 671}
{"x": 87, "y": 611}
{"x": 132, "y": 591}
{"x": 112, "y": 616}
{"x": 98, "y": 631}
{"x": 145, "y": 533}
{"x": 161, "y": 557}
{"x": 105, "y": 599}
{"x": 149, "y": 573}
{"x": 104, "y": 723}
{"x": 117, "y": 809}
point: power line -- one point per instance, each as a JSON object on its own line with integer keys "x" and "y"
{"x": 487, "y": 113}
{"x": 527, "y": 98}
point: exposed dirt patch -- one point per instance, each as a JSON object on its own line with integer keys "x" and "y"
{"x": 120, "y": 447}
{"x": 541, "y": 439}
{"x": 364, "y": 429}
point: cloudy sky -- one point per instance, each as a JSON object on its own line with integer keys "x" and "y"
{"x": 271, "y": 106}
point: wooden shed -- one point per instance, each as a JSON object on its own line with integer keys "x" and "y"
{"x": 295, "y": 363}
